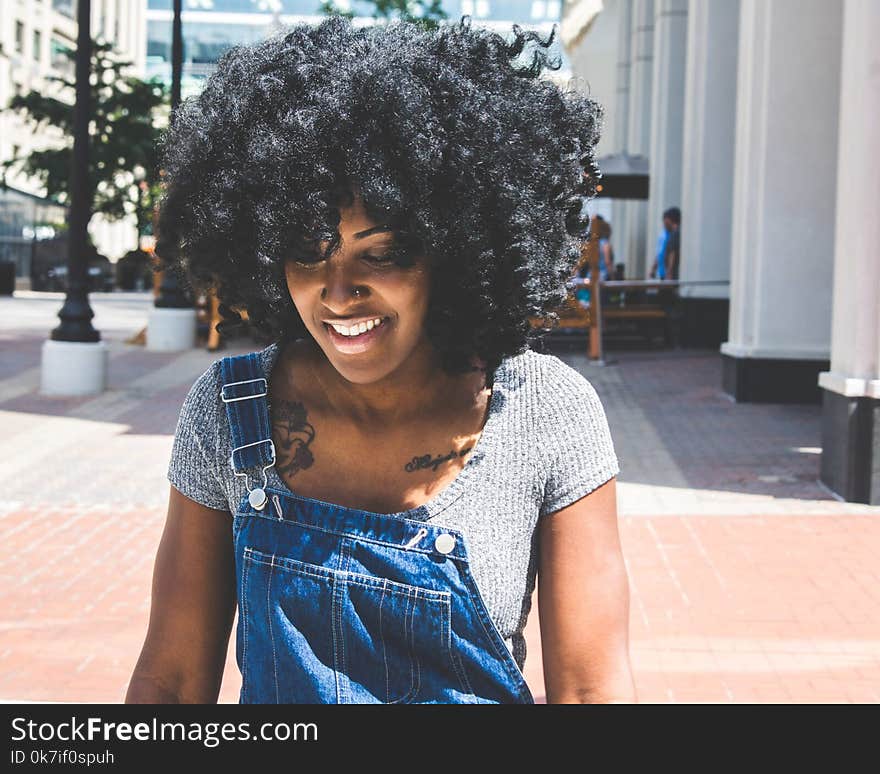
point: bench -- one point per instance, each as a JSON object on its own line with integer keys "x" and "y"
{"x": 622, "y": 301}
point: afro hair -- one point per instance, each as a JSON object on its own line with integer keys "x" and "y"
{"x": 477, "y": 160}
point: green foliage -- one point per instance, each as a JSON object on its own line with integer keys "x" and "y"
{"x": 123, "y": 148}
{"x": 426, "y": 12}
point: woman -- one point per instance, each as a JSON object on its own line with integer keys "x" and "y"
{"x": 377, "y": 488}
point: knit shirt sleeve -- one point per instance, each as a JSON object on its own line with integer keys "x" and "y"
{"x": 193, "y": 468}
{"x": 580, "y": 453}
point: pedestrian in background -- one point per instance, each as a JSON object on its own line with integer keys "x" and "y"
{"x": 606, "y": 253}
{"x": 667, "y": 252}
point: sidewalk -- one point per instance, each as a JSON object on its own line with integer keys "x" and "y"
{"x": 749, "y": 581}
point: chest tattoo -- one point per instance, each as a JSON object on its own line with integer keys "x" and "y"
{"x": 425, "y": 461}
{"x": 294, "y": 434}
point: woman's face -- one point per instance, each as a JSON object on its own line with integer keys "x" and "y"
{"x": 355, "y": 287}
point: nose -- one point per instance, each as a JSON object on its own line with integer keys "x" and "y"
{"x": 340, "y": 286}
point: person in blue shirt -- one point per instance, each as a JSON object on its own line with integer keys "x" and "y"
{"x": 668, "y": 247}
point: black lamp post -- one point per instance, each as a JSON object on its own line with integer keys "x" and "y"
{"x": 76, "y": 314}
{"x": 170, "y": 293}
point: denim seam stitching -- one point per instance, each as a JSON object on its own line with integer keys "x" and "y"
{"x": 382, "y": 640}
{"x": 409, "y": 638}
{"x": 333, "y": 635}
{"x": 457, "y": 666}
{"x": 343, "y": 562}
{"x": 244, "y": 583}
{"x": 271, "y": 633}
{"x": 292, "y": 522}
{"x": 354, "y": 578}
{"x": 416, "y": 661}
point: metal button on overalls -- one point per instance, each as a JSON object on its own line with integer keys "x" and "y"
{"x": 444, "y": 543}
{"x": 341, "y": 605}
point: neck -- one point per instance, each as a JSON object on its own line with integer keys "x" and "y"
{"x": 396, "y": 399}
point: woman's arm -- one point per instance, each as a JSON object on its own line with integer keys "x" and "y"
{"x": 583, "y": 603}
{"x": 193, "y": 606}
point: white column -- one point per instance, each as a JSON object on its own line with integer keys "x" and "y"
{"x": 855, "y": 342}
{"x": 850, "y": 432}
{"x": 639, "y": 129}
{"x": 707, "y": 164}
{"x": 621, "y": 108}
{"x": 784, "y": 180}
{"x": 667, "y": 112}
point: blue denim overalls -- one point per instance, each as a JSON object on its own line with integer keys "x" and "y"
{"x": 343, "y": 606}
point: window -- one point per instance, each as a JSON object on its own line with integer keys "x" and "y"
{"x": 58, "y": 56}
{"x": 67, "y": 7}
{"x": 19, "y": 36}
{"x": 38, "y": 45}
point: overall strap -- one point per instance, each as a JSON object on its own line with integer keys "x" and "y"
{"x": 244, "y": 392}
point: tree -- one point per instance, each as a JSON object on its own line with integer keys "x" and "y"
{"x": 124, "y": 150}
{"x": 427, "y": 12}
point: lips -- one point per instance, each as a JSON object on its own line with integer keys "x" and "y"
{"x": 351, "y": 345}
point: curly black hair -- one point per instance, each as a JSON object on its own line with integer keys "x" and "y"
{"x": 479, "y": 162}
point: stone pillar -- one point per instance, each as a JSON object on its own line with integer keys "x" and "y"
{"x": 785, "y": 169}
{"x": 667, "y": 113}
{"x": 707, "y": 169}
{"x": 621, "y": 109}
{"x": 851, "y": 388}
{"x": 639, "y": 129}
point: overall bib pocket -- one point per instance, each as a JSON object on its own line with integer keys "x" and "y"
{"x": 324, "y": 632}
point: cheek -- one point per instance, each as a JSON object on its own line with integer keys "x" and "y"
{"x": 417, "y": 290}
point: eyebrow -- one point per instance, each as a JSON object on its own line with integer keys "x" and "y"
{"x": 373, "y": 230}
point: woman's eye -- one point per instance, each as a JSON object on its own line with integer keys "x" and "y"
{"x": 306, "y": 260}
{"x": 398, "y": 257}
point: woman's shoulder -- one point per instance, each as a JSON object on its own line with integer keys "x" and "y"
{"x": 547, "y": 379}
{"x": 203, "y": 399}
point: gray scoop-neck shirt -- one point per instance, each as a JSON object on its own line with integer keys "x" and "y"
{"x": 545, "y": 444}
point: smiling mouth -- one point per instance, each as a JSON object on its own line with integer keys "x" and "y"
{"x": 355, "y": 331}
{"x": 359, "y": 342}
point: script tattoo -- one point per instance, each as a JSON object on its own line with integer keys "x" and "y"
{"x": 294, "y": 435}
{"x": 425, "y": 461}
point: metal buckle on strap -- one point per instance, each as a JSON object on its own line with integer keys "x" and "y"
{"x": 248, "y": 445}
{"x": 245, "y": 397}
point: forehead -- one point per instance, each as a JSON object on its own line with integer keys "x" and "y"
{"x": 355, "y": 224}
{"x": 354, "y": 217}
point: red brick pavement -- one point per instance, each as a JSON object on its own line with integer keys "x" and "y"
{"x": 782, "y": 604}
{"x": 723, "y": 609}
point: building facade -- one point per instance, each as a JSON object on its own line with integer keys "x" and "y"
{"x": 34, "y": 36}
{"x": 210, "y": 27}
{"x": 760, "y": 120}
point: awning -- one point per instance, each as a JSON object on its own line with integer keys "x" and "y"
{"x": 623, "y": 177}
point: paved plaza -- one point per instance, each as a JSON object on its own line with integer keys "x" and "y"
{"x": 750, "y": 582}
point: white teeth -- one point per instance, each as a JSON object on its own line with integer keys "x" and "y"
{"x": 357, "y": 330}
